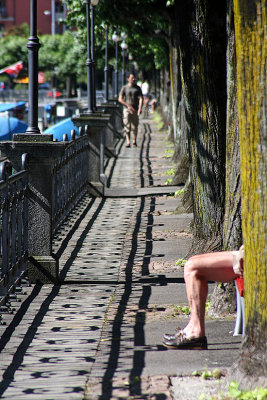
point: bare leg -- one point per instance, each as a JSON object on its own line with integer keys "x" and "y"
{"x": 135, "y": 122}
{"x": 127, "y": 134}
{"x": 127, "y": 126}
{"x": 198, "y": 271}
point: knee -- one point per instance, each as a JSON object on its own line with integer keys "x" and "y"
{"x": 191, "y": 268}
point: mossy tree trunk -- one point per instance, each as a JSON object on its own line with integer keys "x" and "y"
{"x": 232, "y": 232}
{"x": 202, "y": 51}
{"x": 165, "y": 95}
{"x": 173, "y": 86}
{"x": 223, "y": 297}
{"x": 250, "y": 30}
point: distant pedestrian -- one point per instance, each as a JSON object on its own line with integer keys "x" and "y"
{"x": 145, "y": 92}
{"x": 132, "y": 99}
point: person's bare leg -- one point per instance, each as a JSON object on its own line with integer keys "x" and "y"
{"x": 198, "y": 271}
{"x": 135, "y": 129}
{"x": 127, "y": 127}
{"x": 127, "y": 134}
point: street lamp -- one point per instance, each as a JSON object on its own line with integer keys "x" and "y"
{"x": 124, "y": 47}
{"x": 33, "y": 46}
{"x": 94, "y": 3}
{"x": 106, "y": 63}
{"x": 90, "y": 55}
{"x": 53, "y": 17}
{"x": 89, "y": 62}
{"x": 116, "y": 39}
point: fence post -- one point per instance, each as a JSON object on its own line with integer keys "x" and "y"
{"x": 95, "y": 124}
{"x": 114, "y": 128}
{"x": 43, "y": 152}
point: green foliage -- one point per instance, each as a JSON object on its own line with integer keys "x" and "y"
{"x": 62, "y": 55}
{"x": 146, "y": 24}
{"x": 169, "y": 153}
{"x": 207, "y": 305}
{"x": 159, "y": 120}
{"x": 13, "y": 49}
{"x": 178, "y": 192}
{"x": 168, "y": 181}
{"x": 170, "y": 171}
{"x": 206, "y": 374}
{"x": 22, "y": 30}
{"x": 234, "y": 393}
{"x": 256, "y": 394}
{"x": 180, "y": 262}
{"x": 179, "y": 310}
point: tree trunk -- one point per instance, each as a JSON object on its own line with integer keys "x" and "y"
{"x": 223, "y": 296}
{"x": 232, "y": 232}
{"x": 202, "y": 49}
{"x": 250, "y": 31}
{"x": 174, "y": 86}
{"x": 68, "y": 86}
{"x": 165, "y": 97}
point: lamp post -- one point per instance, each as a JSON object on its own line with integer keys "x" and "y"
{"x": 53, "y": 17}
{"x": 116, "y": 38}
{"x": 33, "y": 46}
{"x": 93, "y": 4}
{"x": 106, "y": 64}
{"x": 124, "y": 47}
{"x": 89, "y": 62}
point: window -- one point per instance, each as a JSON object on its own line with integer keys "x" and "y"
{"x": 59, "y": 7}
{"x": 2, "y": 8}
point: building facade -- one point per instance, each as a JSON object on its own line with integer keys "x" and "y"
{"x": 16, "y": 12}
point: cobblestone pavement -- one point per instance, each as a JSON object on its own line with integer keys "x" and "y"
{"x": 97, "y": 335}
{"x": 52, "y": 333}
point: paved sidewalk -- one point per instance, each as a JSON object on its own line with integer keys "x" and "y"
{"x": 98, "y": 335}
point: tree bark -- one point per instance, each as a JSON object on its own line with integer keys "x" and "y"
{"x": 232, "y": 232}
{"x": 250, "y": 31}
{"x": 223, "y": 296}
{"x": 202, "y": 49}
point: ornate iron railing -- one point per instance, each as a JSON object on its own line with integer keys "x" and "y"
{"x": 13, "y": 226}
{"x": 70, "y": 178}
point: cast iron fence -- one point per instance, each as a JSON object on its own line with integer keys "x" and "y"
{"x": 13, "y": 226}
{"x": 70, "y": 178}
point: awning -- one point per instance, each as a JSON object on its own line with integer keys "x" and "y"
{"x": 62, "y": 127}
{"x": 9, "y": 126}
{"x": 12, "y": 106}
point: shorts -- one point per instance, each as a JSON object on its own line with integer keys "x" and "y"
{"x": 238, "y": 261}
{"x": 130, "y": 121}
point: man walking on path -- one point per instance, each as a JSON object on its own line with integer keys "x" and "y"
{"x": 132, "y": 99}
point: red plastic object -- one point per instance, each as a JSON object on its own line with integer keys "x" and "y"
{"x": 240, "y": 286}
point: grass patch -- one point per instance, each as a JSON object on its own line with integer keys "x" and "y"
{"x": 178, "y": 192}
{"x": 180, "y": 310}
{"x": 170, "y": 171}
{"x": 180, "y": 262}
{"x": 234, "y": 393}
{"x": 159, "y": 121}
{"x": 169, "y": 153}
{"x": 215, "y": 374}
{"x": 168, "y": 181}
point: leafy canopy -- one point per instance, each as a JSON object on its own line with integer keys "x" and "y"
{"x": 145, "y": 22}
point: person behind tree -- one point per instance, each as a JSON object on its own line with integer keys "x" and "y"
{"x": 223, "y": 266}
